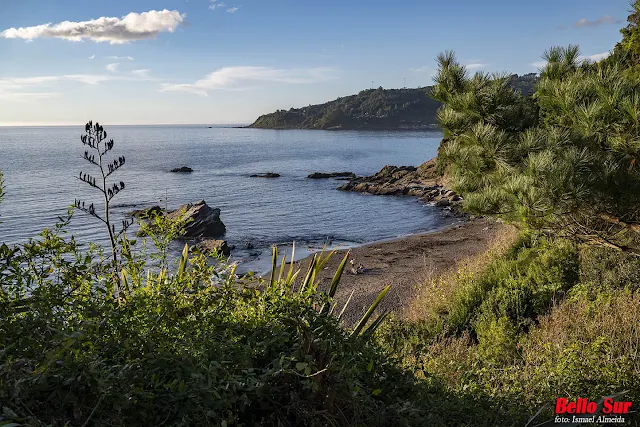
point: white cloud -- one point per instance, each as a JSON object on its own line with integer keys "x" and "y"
{"x": 597, "y": 57}
{"x": 538, "y": 64}
{"x": 475, "y": 66}
{"x": 233, "y": 9}
{"x": 92, "y": 57}
{"x": 141, "y": 73}
{"x": 236, "y": 78}
{"x": 113, "y": 67}
{"x": 422, "y": 69}
{"x": 21, "y": 88}
{"x": 584, "y": 22}
{"x": 216, "y": 4}
{"x": 121, "y": 58}
{"x": 134, "y": 26}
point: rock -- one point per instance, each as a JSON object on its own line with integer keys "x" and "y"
{"x": 183, "y": 169}
{"x": 323, "y": 175}
{"x": 248, "y": 245}
{"x": 215, "y": 247}
{"x": 203, "y": 221}
{"x": 265, "y": 175}
{"x": 456, "y": 198}
{"x": 443, "y": 203}
{"x": 146, "y": 213}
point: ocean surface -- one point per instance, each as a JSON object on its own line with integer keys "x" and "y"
{"x": 40, "y": 166}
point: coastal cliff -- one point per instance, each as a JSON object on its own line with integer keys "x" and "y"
{"x": 373, "y": 109}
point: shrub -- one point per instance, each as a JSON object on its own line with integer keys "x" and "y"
{"x": 519, "y": 286}
{"x": 197, "y": 347}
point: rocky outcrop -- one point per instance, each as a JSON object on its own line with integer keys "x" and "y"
{"x": 183, "y": 169}
{"x": 323, "y": 175}
{"x": 422, "y": 182}
{"x": 202, "y": 220}
{"x": 265, "y": 175}
{"x": 215, "y": 247}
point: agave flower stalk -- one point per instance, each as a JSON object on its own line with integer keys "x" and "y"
{"x": 95, "y": 138}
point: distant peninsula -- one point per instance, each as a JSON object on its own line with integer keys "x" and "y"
{"x": 373, "y": 109}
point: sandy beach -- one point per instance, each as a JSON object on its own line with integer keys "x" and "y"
{"x": 405, "y": 264}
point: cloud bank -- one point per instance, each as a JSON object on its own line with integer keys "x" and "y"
{"x": 22, "y": 88}
{"x": 475, "y": 66}
{"x": 584, "y": 22}
{"x": 237, "y": 78}
{"x": 132, "y": 27}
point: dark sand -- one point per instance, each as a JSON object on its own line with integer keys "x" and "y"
{"x": 405, "y": 264}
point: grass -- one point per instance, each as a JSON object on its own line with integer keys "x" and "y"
{"x": 531, "y": 320}
{"x": 489, "y": 343}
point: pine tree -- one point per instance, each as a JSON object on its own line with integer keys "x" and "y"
{"x": 564, "y": 161}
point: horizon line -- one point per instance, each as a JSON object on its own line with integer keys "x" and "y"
{"x": 24, "y": 125}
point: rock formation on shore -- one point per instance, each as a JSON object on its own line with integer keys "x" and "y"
{"x": 201, "y": 219}
{"x": 423, "y": 182}
{"x": 214, "y": 247}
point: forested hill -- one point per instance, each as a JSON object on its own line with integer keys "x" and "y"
{"x": 372, "y": 109}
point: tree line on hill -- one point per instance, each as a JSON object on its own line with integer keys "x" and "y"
{"x": 379, "y": 108}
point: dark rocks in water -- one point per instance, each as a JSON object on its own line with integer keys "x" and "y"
{"x": 215, "y": 247}
{"x": 183, "y": 169}
{"x": 423, "y": 182}
{"x": 265, "y": 175}
{"x": 147, "y": 212}
{"x": 202, "y": 220}
{"x": 248, "y": 245}
{"x": 323, "y": 175}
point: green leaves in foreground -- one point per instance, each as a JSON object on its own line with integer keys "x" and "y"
{"x": 189, "y": 345}
{"x": 310, "y": 284}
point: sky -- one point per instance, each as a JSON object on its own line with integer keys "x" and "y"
{"x": 65, "y": 62}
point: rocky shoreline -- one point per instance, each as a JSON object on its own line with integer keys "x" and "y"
{"x": 422, "y": 182}
{"x": 207, "y": 229}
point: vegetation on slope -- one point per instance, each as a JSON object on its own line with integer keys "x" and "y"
{"x": 557, "y": 312}
{"x": 372, "y": 109}
{"x": 95, "y": 339}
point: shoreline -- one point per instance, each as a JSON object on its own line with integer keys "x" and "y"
{"x": 405, "y": 263}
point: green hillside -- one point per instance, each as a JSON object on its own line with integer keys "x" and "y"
{"x": 372, "y": 109}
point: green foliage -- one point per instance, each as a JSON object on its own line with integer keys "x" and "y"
{"x": 372, "y": 109}
{"x": 519, "y": 287}
{"x": 198, "y": 347}
{"x": 498, "y": 341}
{"x": 630, "y": 43}
{"x": 1, "y": 187}
{"x": 564, "y": 161}
{"x": 538, "y": 327}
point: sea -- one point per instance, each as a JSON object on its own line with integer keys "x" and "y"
{"x": 41, "y": 164}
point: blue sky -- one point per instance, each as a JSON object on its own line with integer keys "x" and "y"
{"x": 228, "y": 61}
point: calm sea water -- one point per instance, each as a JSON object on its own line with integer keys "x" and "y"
{"x": 40, "y": 166}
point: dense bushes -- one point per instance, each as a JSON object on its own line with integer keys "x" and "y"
{"x": 198, "y": 347}
{"x": 534, "y": 324}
